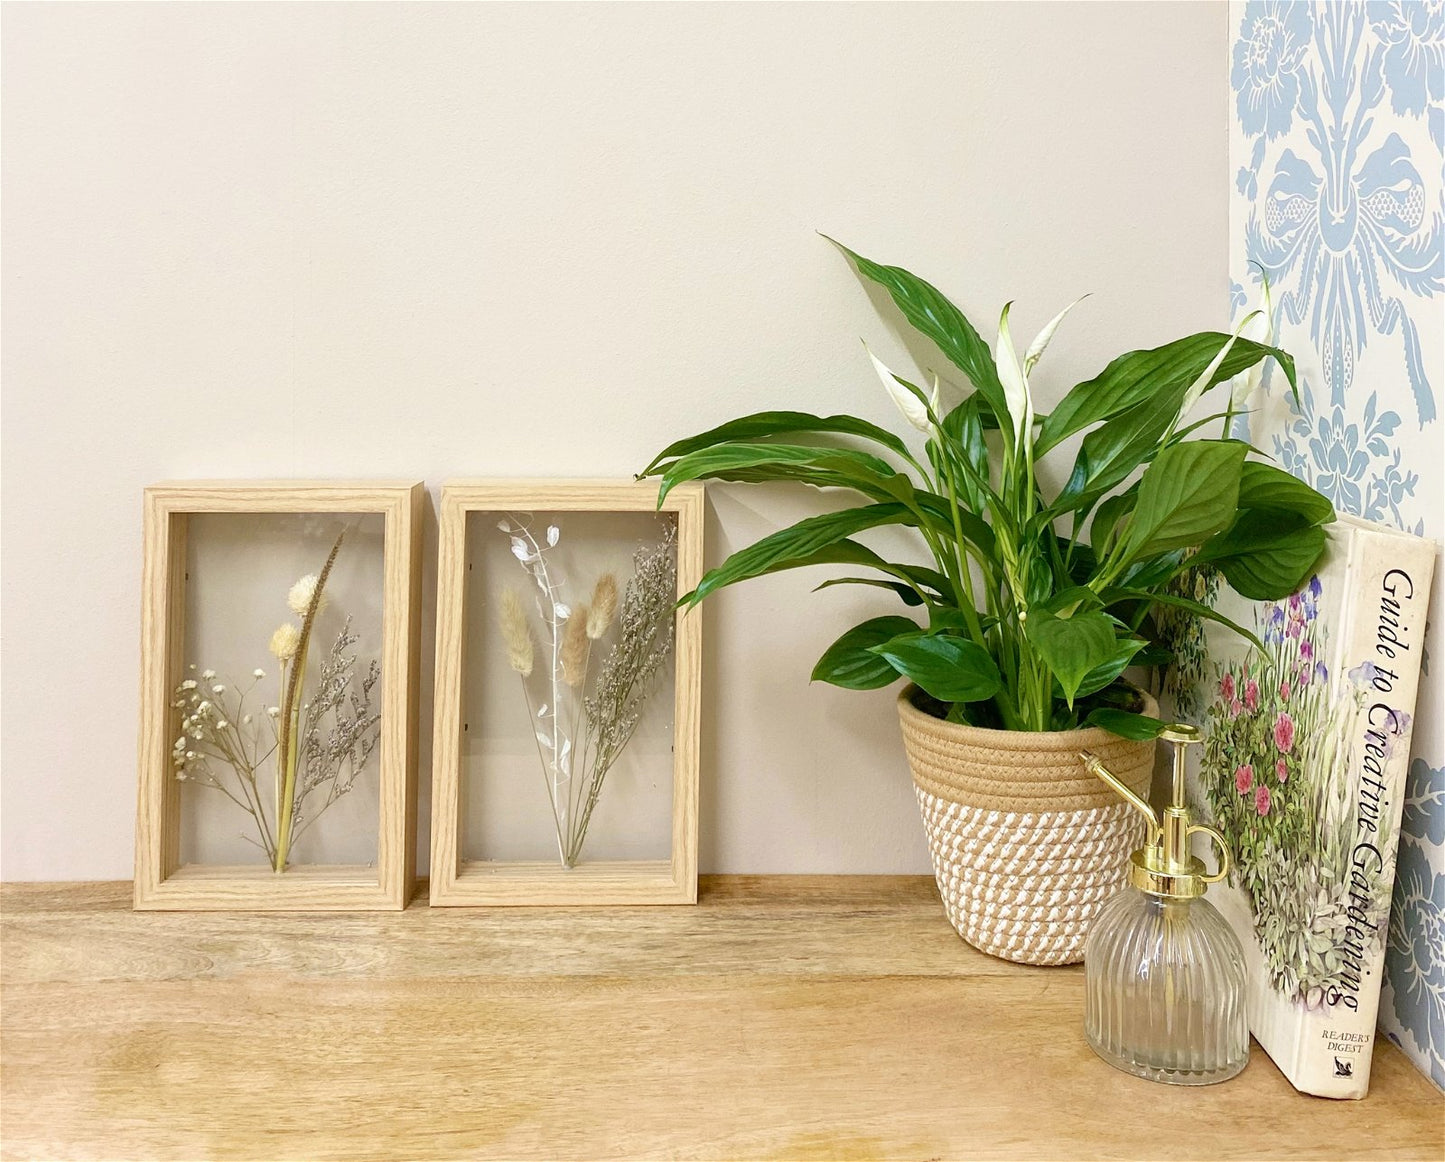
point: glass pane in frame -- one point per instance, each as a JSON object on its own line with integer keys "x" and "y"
{"x": 567, "y": 744}
{"x": 247, "y": 602}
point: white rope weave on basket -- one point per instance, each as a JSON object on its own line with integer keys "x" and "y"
{"x": 1025, "y": 886}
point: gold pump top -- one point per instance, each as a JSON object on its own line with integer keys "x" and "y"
{"x": 1164, "y": 866}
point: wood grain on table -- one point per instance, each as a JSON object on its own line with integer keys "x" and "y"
{"x": 790, "y": 1017}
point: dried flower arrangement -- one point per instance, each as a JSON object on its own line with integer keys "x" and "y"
{"x": 581, "y": 735}
{"x": 316, "y": 748}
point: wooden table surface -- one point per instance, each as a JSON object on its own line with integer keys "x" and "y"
{"x": 793, "y": 1017}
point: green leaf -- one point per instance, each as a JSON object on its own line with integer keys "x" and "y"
{"x": 1188, "y": 494}
{"x": 1108, "y": 514}
{"x": 1139, "y": 727}
{"x": 805, "y": 543}
{"x": 1263, "y": 556}
{"x": 1106, "y": 672}
{"x": 905, "y": 594}
{"x": 852, "y": 468}
{"x": 1066, "y": 601}
{"x": 952, "y": 669}
{"x": 1145, "y": 376}
{"x": 1109, "y": 453}
{"x": 934, "y": 316}
{"x": 1265, "y": 486}
{"x": 762, "y": 424}
{"x": 964, "y": 427}
{"x": 1070, "y": 646}
{"x": 1208, "y": 612}
{"x": 850, "y": 661}
{"x": 913, "y": 577}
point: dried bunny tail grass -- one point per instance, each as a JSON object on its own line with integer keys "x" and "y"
{"x": 513, "y": 620}
{"x": 604, "y": 606}
{"x": 575, "y": 647}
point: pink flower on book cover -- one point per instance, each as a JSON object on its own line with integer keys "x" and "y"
{"x": 1244, "y": 778}
{"x": 1281, "y": 770}
{"x": 1251, "y": 695}
{"x": 1226, "y": 686}
{"x": 1284, "y": 731}
{"x": 1261, "y": 800}
{"x": 1284, "y": 691}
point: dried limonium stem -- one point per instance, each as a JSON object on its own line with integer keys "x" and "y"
{"x": 319, "y": 747}
{"x": 574, "y": 775}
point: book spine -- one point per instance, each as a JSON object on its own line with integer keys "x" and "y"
{"x": 1378, "y": 664}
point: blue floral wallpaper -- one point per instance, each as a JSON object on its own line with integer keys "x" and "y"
{"x": 1337, "y": 146}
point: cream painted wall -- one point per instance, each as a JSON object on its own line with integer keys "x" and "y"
{"x": 419, "y": 241}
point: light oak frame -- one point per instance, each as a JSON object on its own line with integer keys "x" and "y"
{"x": 161, "y": 882}
{"x": 456, "y": 882}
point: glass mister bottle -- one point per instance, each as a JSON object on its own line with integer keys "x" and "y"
{"x": 1164, "y": 972}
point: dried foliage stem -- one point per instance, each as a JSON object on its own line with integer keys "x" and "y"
{"x": 291, "y": 714}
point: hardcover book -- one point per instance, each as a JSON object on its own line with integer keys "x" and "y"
{"x": 1307, "y": 739}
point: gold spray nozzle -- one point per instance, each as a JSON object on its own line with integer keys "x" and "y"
{"x": 1164, "y": 866}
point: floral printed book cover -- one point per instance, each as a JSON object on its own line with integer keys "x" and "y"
{"x": 1307, "y": 741}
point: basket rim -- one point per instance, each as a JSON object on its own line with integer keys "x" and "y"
{"x": 1018, "y": 740}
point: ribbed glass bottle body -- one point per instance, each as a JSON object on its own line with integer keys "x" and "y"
{"x": 1165, "y": 990}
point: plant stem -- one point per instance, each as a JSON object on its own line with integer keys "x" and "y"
{"x": 291, "y": 714}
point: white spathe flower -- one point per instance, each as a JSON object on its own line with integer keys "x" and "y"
{"x": 1046, "y": 336}
{"x": 1206, "y": 378}
{"x": 1015, "y": 383}
{"x": 554, "y": 534}
{"x": 914, "y": 410}
{"x": 302, "y": 593}
{"x": 285, "y": 642}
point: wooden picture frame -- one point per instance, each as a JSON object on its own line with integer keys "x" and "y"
{"x": 456, "y": 881}
{"x": 161, "y": 882}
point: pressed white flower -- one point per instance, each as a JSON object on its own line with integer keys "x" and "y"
{"x": 300, "y": 597}
{"x": 218, "y": 689}
{"x": 203, "y": 708}
{"x": 190, "y": 756}
{"x": 258, "y": 674}
{"x": 181, "y": 743}
{"x": 188, "y": 684}
{"x": 914, "y": 410}
{"x": 222, "y": 724}
{"x": 246, "y": 720}
{"x": 208, "y": 674}
{"x": 285, "y": 642}
{"x": 273, "y": 711}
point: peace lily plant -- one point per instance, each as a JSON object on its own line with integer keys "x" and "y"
{"x": 1036, "y": 599}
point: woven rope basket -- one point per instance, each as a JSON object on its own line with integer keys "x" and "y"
{"x": 1027, "y": 846}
